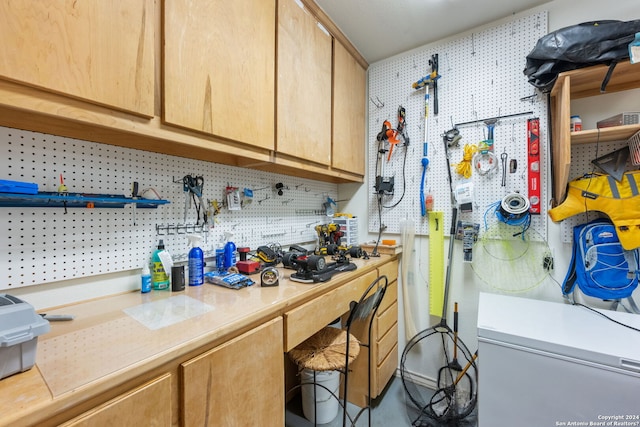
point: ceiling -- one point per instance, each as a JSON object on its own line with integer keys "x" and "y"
{"x": 380, "y": 29}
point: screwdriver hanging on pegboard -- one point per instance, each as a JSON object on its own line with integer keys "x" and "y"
{"x": 134, "y": 196}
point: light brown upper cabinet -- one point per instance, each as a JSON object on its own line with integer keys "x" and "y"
{"x": 349, "y": 92}
{"x": 304, "y": 85}
{"x": 98, "y": 51}
{"x": 219, "y": 68}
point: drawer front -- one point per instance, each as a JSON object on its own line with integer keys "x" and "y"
{"x": 309, "y": 318}
{"x": 148, "y": 404}
{"x": 385, "y": 371}
{"x": 390, "y": 270}
{"x": 387, "y": 319}
{"x": 390, "y": 297}
{"x": 387, "y": 342}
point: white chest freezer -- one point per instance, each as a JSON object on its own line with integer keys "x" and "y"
{"x": 550, "y": 364}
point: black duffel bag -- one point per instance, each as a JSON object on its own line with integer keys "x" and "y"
{"x": 578, "y": 46}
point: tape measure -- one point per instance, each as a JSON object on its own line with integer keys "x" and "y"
{"x": 269, "y": 277}
{"x": 436, "y": 263}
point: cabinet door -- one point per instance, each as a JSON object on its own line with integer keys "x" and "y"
{"x": 98, "y": 51}
{"x": 147, "y": 405}
{"x": 240, "y": 383}
{"x": 304, "y": 85}
{"x": 349, "y": 101}
{"x": 219, "y": 68}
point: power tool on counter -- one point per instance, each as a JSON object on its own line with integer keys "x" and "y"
{"x": 330, "y": 243}
{"x": 295, "y": 253}
{"x": 247, "y": 266}
{"x": 255, "y": 261}
{"x": 267, "y": 255}
{"x": 329, "y": 236}
{"x": 314, "y": 268}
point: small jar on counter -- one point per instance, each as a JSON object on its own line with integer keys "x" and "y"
{"x": 576, "y": 123}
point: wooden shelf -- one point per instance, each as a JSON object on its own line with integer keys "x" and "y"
{"x": 577, "y": 84}
{"x": 616, "y": 133}
{"x": 586, "y": 82}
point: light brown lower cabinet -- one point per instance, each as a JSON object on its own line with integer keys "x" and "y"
{"x": 240, "y": 383}
{"x": 228, "y": 382}
{"x": 147, "y": 405}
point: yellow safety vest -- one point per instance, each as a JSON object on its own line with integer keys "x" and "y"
{"x": 620, "y": 201}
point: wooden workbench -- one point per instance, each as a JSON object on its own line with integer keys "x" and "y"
{"x": 205, "y": 356}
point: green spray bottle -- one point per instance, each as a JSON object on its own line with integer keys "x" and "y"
{"x": 159, "y": 276}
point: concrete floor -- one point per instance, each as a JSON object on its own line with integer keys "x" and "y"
{"x": 392, "y": 409}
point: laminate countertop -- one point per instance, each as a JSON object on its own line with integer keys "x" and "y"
{"x": 119, "y": 338}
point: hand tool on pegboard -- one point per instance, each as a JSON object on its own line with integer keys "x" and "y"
{"x": 533, "y": 162}
{"x": 503, "y": 160}
{"x": 193, "y": 187}
{"x": 434, "y": 72}
{"x": 384, "y": 185}
{"x": 63, "y": 190}
{"x": 187, "y": 193}
{"x": 390, "y": 135}
{"x": 134, "y": 196}
{"x": 429, "y": 80}
{"x": 425, "y": 154}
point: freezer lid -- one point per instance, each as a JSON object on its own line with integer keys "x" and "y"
{"x": 560, "y": 328}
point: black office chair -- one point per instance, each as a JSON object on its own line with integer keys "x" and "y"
{"x": 333, "y": 349}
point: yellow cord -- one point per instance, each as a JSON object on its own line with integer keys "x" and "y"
{"x": 464, "y": 168}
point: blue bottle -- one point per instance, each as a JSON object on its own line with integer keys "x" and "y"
{"x": 229, "y": 255}
{"x": 196, "y": 261}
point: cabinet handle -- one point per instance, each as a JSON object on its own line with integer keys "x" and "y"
{"x": 630, "y": 365}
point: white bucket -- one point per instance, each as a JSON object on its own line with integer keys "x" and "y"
{"x": 326, "y": 404}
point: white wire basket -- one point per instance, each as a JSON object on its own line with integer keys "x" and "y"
{"x": 634, "y": 148}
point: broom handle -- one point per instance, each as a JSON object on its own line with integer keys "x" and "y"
{"x": 466, "y": 368}
{"x": 455, "y": 331}
{"x": 452, "y": 236}
{"x": 447, "y": 280}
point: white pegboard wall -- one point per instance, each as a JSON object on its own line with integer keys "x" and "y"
{"x": 481, "y": 77}
{"x": 44, "y": 245}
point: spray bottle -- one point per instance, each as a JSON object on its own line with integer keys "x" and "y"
{"x": 159, "y": 277}
{"x": 196, "y": 261}
{"x": 220, "y": 259}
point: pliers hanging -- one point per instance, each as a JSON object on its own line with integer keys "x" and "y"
{"x": 194, "y": 186}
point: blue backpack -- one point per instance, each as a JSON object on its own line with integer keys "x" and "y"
{"x": 599, "y": 265}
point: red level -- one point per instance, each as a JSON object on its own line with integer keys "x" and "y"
{"x": 533, "y": 161}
